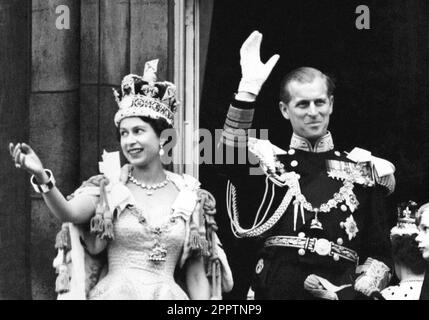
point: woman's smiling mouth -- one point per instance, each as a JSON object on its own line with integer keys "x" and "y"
{"x": 135, "y": 151}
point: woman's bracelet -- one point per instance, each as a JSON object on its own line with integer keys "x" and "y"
{"x": 45, "y": 187}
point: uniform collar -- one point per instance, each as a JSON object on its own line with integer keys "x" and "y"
{"x": 323, "y": 144}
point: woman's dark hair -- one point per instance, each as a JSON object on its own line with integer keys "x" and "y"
{"x": 405, "y": 251}
{"x": 158, "y": 125}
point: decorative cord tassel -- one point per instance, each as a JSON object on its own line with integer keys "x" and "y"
{"x": 204, "y": 247}
{"x": 59, "y": 260}
{"x": 219, "y": 280}
{"x": 67, "y": 257}
{"x": 62, "y": 240}
{"x": 295, "y": 213}
{"x": 63, "y": 246}
{"x": 302, "y": 213}
{"x": 108, "y": 229}
{"x": 108, "y": 224}
{"x": 195, "y": 239}
{"x": 209, "y": 269}
{"x": 96, "y": 223}
{"x": 196, "y": 232}
{"x": 62, "y": 283}
{"x": 216, "y": 284}
{"x": 204, "y": 244}
{"x": 213, "y": 280}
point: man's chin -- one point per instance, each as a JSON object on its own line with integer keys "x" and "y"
{"x": 313, "y": 136}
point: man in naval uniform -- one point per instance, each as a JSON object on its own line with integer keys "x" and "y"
{"x": 321, "y": 223}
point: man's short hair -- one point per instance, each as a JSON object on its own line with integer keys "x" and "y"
{"x": 304, "y": 75}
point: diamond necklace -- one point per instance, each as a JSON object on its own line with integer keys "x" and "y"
{"x": 149, "y": 188}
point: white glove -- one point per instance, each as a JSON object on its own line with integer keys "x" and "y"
{"x": 266, "y": 152}
{"x": 253, "y": 71}
{"x": 365, "y": 285}
{"x": 374, "y": 276}
{"x": 321, "y": 288}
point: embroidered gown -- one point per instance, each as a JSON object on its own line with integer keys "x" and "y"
{"x": 133, "y": 274}
{"x": 142, "y": 258}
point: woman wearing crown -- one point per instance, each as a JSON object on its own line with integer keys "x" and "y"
{"x": 154, "y": 225}
{"x": 409, "y": 263}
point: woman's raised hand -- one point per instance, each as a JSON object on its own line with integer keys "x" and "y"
{"x": 25, "y": 158}
{"x": 254, "y": 72}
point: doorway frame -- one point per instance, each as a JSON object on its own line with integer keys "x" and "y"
{"x": 186, "y": 74}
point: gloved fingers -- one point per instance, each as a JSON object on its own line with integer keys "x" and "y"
{"x": 252, "y": 42}
{"x": 312, "y": 283}
{"x": 364, "y": 285}
{"x": 271, "y": 63}
{"x": 361, "y": 268}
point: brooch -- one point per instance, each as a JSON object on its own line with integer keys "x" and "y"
{"x": 350, "y": 227}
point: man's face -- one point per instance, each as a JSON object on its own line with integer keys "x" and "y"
{"x": 309, "y": 108}
{"x": 423, "y": 236}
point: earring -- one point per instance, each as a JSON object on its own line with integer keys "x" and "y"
{"x": 161, "y": 150}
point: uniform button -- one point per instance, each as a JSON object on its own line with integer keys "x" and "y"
{"x": 259, "y": 266}
{"x": 336, "y": 257}
{"x": 340, "y": 241}
{"x": 291, "y": 152}
{"x": 343, "y": 208}
{"x": 337, "y": 153}
{"x": 294, "y": 163}
{"x": 301, "y": 252}
{"x": 301, "y": 235}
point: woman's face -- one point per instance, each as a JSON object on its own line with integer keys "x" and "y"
{"x": 139, "y": 142}
{"x": 423, "y": 236}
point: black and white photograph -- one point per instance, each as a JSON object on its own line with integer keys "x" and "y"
{"x": 225, "y": 151}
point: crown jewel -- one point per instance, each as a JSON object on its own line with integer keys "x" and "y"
{"x": 144, "y": 96}
{"x": 406, "y": 219}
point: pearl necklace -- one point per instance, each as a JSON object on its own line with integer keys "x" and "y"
{"x": 149, "y": 188}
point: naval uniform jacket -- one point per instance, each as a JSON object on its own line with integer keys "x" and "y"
{"x": 280, "y": 271}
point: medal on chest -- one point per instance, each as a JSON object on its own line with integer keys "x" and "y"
{"x": 360, "y": 173}
{"x": 343, "y": 199}
{"x": 350, "y": 173}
